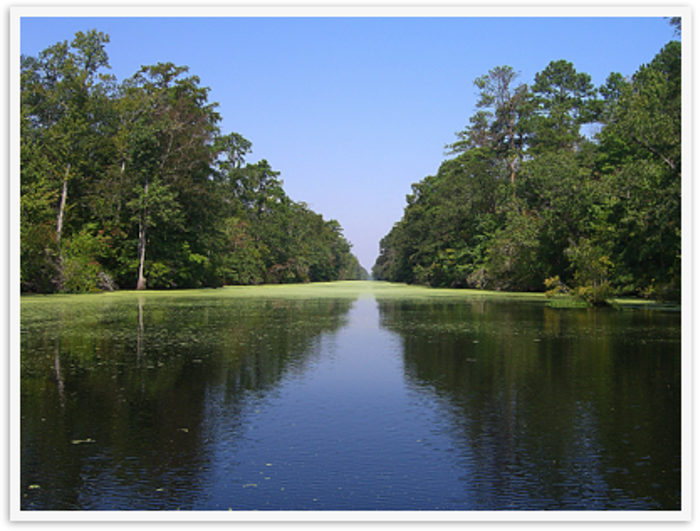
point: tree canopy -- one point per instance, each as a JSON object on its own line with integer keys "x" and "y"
{"x": 133, "y": 184}
{"x": 558, "y": 185}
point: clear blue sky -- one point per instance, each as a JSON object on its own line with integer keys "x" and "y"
{"x": 352, "y": 111}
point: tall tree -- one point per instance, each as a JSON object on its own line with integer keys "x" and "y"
{"x": 563, "y": 100}
{"x": 170, "y": 127}
{"x": 134, "y": 185}
{"x": 641, "y": 154}
{"x": 649, "y": 108}
{"x": 496, "y": 124}
{"x": 64, "y": 99}
{"x": 676, "y": 23}
{"x": 592, "y": 214}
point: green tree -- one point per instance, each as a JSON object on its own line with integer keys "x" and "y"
{"x": 676, "y": 23}
{"x": 65, "y": 122}
{"x": 593, "y": 215}
{"x": 562, "y": 101}
{"x": 448, "y": 220}
{"x": 641, "y": 157}
{"x": 497, "y": 125}
{"x": 168, "y": 159}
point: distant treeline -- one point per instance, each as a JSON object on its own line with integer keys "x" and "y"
{"x": 133, "y": 185}
{"x": 528, "y": 202}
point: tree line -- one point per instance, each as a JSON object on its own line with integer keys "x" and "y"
{"x": 556, "y": 186}
{"x": 133, "y": 184}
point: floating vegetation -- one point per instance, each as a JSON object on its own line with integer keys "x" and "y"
{"x": 567, "y": 302}
{"x": 347, "y": 290}
{"x": 83, "y": 441}
{"x": 285, "y": 398}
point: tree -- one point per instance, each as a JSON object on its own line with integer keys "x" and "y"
{"x": 134, "y": 185}
{"x": 641, "y": 155}
{"x": 231, "y": 150}
{"x": 259, "y": 189}
{"x": 562, "y": 100}
{"x": 64, "y": 124}
{"x": 676, "y": 23}
{"x": 594, "y": 215}
{"x": 170, "y": 127}
{"x": 496, "y": 125}
{"x": 649, "y": 108}
{"x": 447, "y": 222}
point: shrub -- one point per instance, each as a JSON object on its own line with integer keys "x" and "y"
{"x": 80, "y": 269}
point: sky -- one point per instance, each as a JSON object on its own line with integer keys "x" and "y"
{"x": 352, "y": 110}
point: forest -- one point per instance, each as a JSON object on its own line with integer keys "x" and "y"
{"x": 133, "y": 185}
{"x": 557, "y": 186}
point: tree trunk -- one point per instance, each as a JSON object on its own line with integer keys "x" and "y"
{"x": 141, "y": 284}
{"x": 511, "y": 135}
{"x": 671, "y": 164}
{"x": 62, "y": 206}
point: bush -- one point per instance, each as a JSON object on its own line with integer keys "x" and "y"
{"x": 555, "y": 287}
{"x": 592, "y": 271}
{"x": 80, "y": 269}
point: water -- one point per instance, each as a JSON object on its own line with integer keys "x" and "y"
{"x": 353, "y": 396}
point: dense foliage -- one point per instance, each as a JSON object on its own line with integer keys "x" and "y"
{"x": 133, "y": 184}
{"x": 529, "y": 202}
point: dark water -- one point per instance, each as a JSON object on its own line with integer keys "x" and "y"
{"x": 363, "y": 402}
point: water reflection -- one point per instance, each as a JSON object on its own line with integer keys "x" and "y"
{"x": 114, "y": 394}
{"x": 217, "y": 402}
{"x": 558, "y": 409}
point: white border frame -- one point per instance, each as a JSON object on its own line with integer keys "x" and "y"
{"x": 326, "y": 10}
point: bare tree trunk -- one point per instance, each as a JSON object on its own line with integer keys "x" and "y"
{"x": 141, "y": 284}
{"x": 511, "y": 133}
{"x": 62, "y": 206}
{"x": 671, "y": 164}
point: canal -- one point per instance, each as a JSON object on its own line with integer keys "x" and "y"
{"x": 352, "y": 396}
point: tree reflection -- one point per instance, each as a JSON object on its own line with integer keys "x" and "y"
{"x": 552, "y": 409}
{"x": 114, "y": 390}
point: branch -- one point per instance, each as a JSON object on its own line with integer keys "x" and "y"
{"x": 655, "y": 151}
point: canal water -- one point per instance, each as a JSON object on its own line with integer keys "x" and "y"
{"x": 346, "y": 397}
